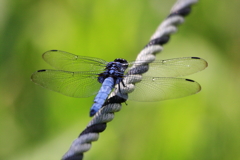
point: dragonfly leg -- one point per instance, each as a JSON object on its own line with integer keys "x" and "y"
{"x": 123, "y": 84}
{"x": 120, "y": 87}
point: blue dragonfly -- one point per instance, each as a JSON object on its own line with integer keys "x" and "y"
{"x": 82, "y": 76}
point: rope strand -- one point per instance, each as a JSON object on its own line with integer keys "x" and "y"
{"x": 113, "y": 104}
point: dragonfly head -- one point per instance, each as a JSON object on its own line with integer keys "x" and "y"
{"x": 122, "y": 61}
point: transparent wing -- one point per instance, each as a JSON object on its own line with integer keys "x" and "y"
{"x": 160, "y": 88}
{"x": 73, "y": 84}
{"x": 69, "y": 62}
{"x": 176, "y": 67}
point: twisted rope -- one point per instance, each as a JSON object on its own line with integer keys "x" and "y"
{"x": 98, "y": 124}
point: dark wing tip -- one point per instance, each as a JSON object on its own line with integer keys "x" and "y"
{"x": 202, "y": 59}
{"x": 189, "y": 80}
{"x": 34, "y": 74}
{"x": 47, "y": 52}
{"x": 195, "y": 58}
{"x": 42, "y": 70}
{"x": 198, "y": 85}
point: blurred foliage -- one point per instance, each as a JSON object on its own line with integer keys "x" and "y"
{"x": 40, "y": 124}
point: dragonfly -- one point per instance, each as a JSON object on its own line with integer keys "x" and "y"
{"x": 82, "y": 76}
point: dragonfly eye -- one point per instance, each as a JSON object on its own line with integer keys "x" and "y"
{"x": 122, "y": 61}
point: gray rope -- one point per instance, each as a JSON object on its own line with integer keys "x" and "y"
{"x": 113, "y": 104}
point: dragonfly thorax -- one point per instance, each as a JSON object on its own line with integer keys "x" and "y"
{"x": 115, "y": 70}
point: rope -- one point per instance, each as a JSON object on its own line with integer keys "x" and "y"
{"x": 98, "y": 124}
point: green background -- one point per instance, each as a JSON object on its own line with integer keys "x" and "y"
{"x": 39, "y": 124}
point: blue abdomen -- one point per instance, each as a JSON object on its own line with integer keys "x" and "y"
{"x": 102, "y": 95}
